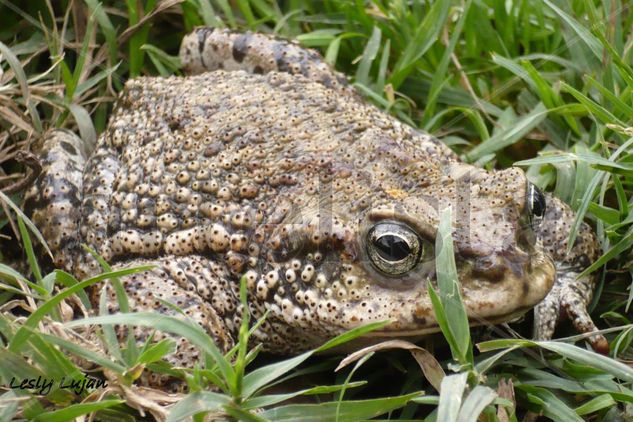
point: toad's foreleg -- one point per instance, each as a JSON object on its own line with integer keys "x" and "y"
{"x": 570, "y": 295}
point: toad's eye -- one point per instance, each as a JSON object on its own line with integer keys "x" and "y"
{"x": 393, "y": 248}
{"x": 536, "y": 203}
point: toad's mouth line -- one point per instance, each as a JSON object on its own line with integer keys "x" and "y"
{"x": 436, "y": 328}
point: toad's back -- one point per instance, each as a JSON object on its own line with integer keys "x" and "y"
{"x": 271, "y": 168}
{"x": 196, "y": 164}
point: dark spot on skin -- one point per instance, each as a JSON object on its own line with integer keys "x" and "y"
{"x": 212, "y": 149}
{"x": 421, "y": 321}
{"x": 174, "y": 125}
{"x": 202, "y": 38}
{"x": 305, "y": 68}
{"x": 239, "y": 47}
{"x": 258, "y": 70}
{"x": 68, "y": 148}
{"x": 526, "y": 288}
{"x": 582, "y": 262}
{"x": 280, "y": 59}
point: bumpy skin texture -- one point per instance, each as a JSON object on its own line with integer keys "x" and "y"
{"x": 268, "y": 165}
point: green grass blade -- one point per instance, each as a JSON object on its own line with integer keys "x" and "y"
{"x": 107, "y": 28}
{"x": 109, "y": 335}
{"x": 89, "y": 355}
{"x": 4, "y": 198}
{"x": 551, "y": 406}
{"x": 168, "y": 64}
{"x": 475, "y": 403}
{"x": 157, "y": 351}
{"x": 509, "y": 135}
{"x": 352, "y": 410}
{"x": 96, "y": 79}
{"x": 45, "y": 356}
{"x": 206, "y": 11}
{"x": 272, "y": 399}
{"x": 623, "y": 204}
{"x": 352, "y": 334}
{"x": 71, "y": 85}
{"x": 23, "y": 333}
{"x": 76, "y": 410}
{"x": 359, "y": 363}
{"x": 30, "y": 254}
{"x": 604, "y": 115}
{"x": 245, "y": 7}
{"x": 131, "y": 351}
{"x": 368, "y": 57}
{"x": 624, "y": 244}
{"x": 616, "y": 103}
{"x": 84, "y": 123}
{"x": 584, "y": 356}
{"x": 564, "y": 157}
{"x": 195, "y": 403}
{"x": 596, "y": 404}
{"x": 14, "y": 365}
{"x": 440, "y": 77}
{"x": 260, "y": 377}
{"x": 451, "y": 393}
{"x": 449, "y": 290}
{"x": 9, "y": 408}
{"x": 64, "y": 279}
{"x": 9, "y": 273}
{"x": 582, "y": 208}
{"x": 583, "y": 33}
{"x": 240, "y": 362}
{"x": 187, "y": 329}
{"x": 240, "y": 414}
{"x": 425, "y": 35}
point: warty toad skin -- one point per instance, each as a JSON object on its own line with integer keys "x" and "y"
{"x": 265, "y": 163}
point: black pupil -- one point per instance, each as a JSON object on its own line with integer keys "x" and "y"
{"x": 392, "y": 248}
{"x": 538, "y": 203}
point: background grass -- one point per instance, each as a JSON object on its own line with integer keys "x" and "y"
{"x": 547, "y": 85}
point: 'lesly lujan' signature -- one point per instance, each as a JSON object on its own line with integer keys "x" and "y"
{"x": 43, "y": 386}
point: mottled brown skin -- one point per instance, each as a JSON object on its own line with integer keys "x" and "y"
{"x": 268, "y": 165}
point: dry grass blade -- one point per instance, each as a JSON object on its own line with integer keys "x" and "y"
{"x": 16, "y": 120}
{"x": 430, "y": 366}
{"x": 161, "y": 7}
{"x": 153, "y": 401}
{"x": 20, "y": 76}
{"x": 34, "y": 166}
{"x": 505, "y": 391}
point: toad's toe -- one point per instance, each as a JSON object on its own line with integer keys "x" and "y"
{"x": 569, "y": 298}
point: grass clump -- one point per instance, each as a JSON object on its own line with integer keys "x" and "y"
{"x": 546, "y": 85}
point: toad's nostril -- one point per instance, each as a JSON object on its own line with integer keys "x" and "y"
{"x": 492, "y": 267}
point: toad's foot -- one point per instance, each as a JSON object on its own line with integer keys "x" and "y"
{"x": 569, "y": 297}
